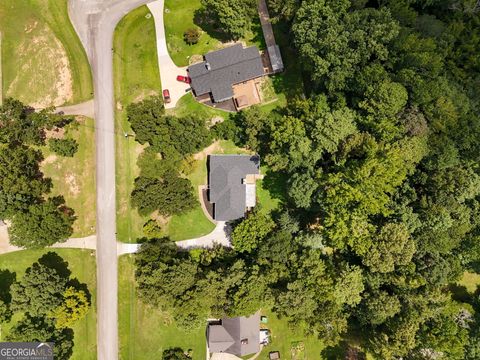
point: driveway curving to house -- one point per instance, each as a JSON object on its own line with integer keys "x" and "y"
{"x": 168, "y": 69}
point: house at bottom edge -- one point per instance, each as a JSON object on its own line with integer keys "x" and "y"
{"x": 239, "y": 336}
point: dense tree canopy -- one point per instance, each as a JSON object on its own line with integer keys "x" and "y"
{"x": 380, "y": 190}
{"x": 232, "y": 17}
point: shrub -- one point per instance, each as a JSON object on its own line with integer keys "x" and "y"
{"x": 63, "y": 147}
{"x": 191, "y": 36}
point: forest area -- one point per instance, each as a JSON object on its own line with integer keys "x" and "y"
{"x": 377, "y": 169}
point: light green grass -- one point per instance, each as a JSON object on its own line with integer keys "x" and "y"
{"x": 35, "y": 35}
{"x": 471, "y": 281}
{"x": 74, "y": 178}
{"x": 144, "y": 332}
{"x": 283, "y": 337}
{"x": 135, "y": 76}
{"x": 82, "y": 265}
{"x": 187, "y": 105}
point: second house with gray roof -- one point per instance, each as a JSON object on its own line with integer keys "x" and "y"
{"x": 232, "y": 185}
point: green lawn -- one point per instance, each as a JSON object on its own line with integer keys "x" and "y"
{"x": 136, "y": 76}
{"x": 184, "y": 14}
{"x": 43, "y": 60}
{"x": 74, "y": 178}
{"x": 82, "y": 265}
{"x": 144, "y": 332}
{"x": 187, "y": 105}
{"x": 284, "y": 338}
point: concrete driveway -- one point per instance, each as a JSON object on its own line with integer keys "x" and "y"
{"x": 168, "y": 70}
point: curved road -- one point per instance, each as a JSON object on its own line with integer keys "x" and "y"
{"x": 95, "y": 21}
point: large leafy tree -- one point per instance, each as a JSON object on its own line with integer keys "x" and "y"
{"x": 42, "y": 224}
{"x": 232, "y": 17}
{"x": 40, "y": 290}
{"x": 169, "y": 195}
{"x": 21, "y": 181}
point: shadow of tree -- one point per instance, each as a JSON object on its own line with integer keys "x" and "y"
{"x": 276, "y": 184}
{"x": 7, "y": 278}
{"x": 205, "y": 21}
{"x": 460, "y": 293}
{"x": 55, "y": 261}
{"x": 343, "y": 351}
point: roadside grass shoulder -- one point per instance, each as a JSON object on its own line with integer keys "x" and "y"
{"x": 74, "y": 178}
{"x": 144, "y": 331}
{"x": 82, "y": 265}
{"x": 36, "y": 34}
{"x": 136, "y": 76}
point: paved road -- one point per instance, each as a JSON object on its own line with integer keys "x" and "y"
{"x": 168, "y": 69}
{"x": 218, "y": 236}
{"x": 86, "y": 108}
{"x": 95, "y": 21}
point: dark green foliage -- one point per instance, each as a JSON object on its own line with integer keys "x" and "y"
{"x": 44, "y": 291}
{"x": 168, "y": 135}
{"x": 63, "y": 147}
{"x": 247, "y": 235}
{"x": 42, "y": 224}
{"x": 231, "y": 17}
{"x": 20, "y": 124}
{"x": 191, "y": 36}
{"x": 174, "y": 354}
{"x": 39, "y": 292}
{"x": 335, "y": 43}
{"x": 169, "y": 195}
{"x": 21, "y": 181}
{"x": 40, "y": 329}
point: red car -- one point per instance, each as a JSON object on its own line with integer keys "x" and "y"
{"x": 166, "y": 96}
{"x": 184, "y": 79}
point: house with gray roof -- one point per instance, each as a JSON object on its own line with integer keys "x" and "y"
{"x": 238, "y": 336}
{"x": 231, "y": 184}
{"x": 224, "y": 68}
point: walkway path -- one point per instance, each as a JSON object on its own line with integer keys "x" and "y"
{"x": 218, "y": 236}
{"x": 86, "y": 108}
{"x": 266, "y": 24}
{"x": 168, "y": 69}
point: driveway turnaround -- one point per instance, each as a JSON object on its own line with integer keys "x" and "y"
{"x": 168, "y": 69}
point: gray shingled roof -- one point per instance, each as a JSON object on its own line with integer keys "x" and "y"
{"x": 228, "y": 66}
{"x": 228, "y": 336}
{"x": 227, "y": 192}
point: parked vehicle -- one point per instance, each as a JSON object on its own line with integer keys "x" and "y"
{"x": 166, "y": 96}
{"x": 184, "y": 79}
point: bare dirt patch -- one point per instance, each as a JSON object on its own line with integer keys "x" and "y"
{"x": 144, "y": 95}
{"x": 215, "y": 147}
{"x": 50, "y": 159}
{"x": 57, "y": 133}
{"x": 72, "y": 183}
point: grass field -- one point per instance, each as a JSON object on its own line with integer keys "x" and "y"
{"x": 144, "y": 332}
{"x": 136, "y": 76}
{"x": 74, "y": 178}
{"x": 43, "y": 60}
{"x": 82, "y": 265}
